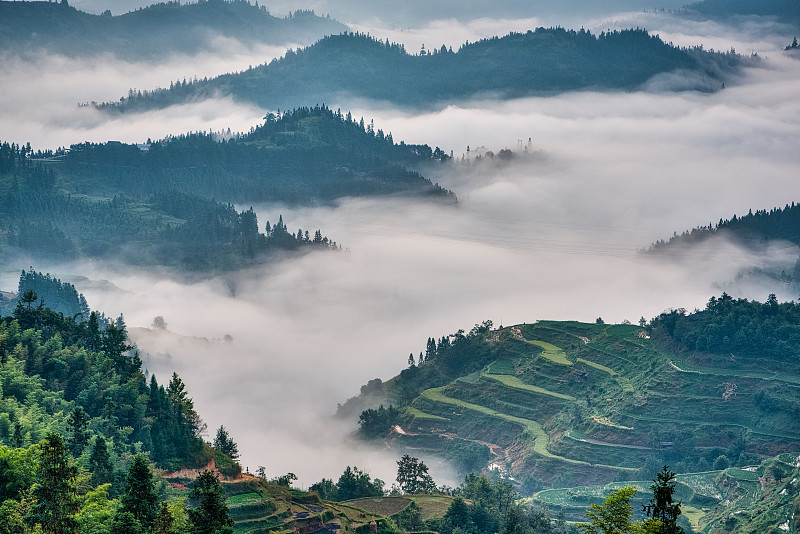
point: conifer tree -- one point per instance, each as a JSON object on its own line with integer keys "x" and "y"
{"x": 211, "y": 515}
{"x": 100, "y": 463}
{"x": 78, "y": 428}
{"x": 661, "y": 506}
{"x": 225, "y": 444}
{"x": 140, "y": 498}
{"x": 55, "y": 496}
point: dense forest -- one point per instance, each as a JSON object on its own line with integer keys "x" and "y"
{"x": 81, "y": 426}
{"x": 160, "y": 203}
{"x": 750, "y": 330}
{"x": 28, "y": 27}
{"x": 303, "y": 156}
{"x": 538, "y": 62}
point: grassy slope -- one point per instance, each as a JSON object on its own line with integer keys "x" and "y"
{"x": 569, "y": 402}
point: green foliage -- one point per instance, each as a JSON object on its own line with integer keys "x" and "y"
{"x": 409, "y": 518}
{"x": 97, "y": 512}
{"x": 614, "y": 516}
{"x": 55, "y": 499}
{"x": 225, "y": 444}
{"x": 352, "y": 484}
{"x": 211, "y": 514}
{"x": 140, "y": 498}
{"x": 376, "y": 423}
{"x": 749, "y": 329}
{"x": 662, "y": 507}
{"x": 18, "y": 468}
{"x": 11, "y": 518}
{"x": 413, "y": 477}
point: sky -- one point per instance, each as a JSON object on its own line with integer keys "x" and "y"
{"x": 554, "y": 234}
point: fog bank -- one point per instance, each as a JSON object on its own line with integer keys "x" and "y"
{"x": 552, "y": 234}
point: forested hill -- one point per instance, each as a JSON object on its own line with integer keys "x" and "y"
{"x": 159, "y": 203}
{"x": 153, "y": 31}
{"x": 307, "y": 155}
{"x": 538, "y": 62}
{"x": 755, "y": 229}
{"x": 557, "y": 403}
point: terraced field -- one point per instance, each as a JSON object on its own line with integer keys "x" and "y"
{"x": 722, "y": 500}
{"x": 566, "y": 402}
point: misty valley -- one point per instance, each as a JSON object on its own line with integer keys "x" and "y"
{"x": 363, "y": 267}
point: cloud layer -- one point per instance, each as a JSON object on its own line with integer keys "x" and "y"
{"x": 553, "y": 234}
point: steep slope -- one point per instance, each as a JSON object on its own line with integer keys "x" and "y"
{"x": 540, "y": 62}
{"x": 559, "y": 403}
{"x": 152, "y": 32}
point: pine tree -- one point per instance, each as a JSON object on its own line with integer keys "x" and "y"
{"x": 211, "y": 515}
{"x": 55, "y": 495}
{"x": 100, "y": 463}
{"x": 140, "y": 498}
{"x": 225, "y": 444}
{"x": 661, "y": 506}
{"x": 78, "y": 428}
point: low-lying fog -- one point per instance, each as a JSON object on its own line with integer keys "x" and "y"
{"x": 553, "y": 234}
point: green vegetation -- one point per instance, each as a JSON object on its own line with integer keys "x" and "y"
{"x": 514, "y": 382}
{"x": 353, "y": 484}
{"x": 133, "y": 202}
{"x": 625, "y": 405}
{"x": 758, "y": 499}
{"x": 546, "y": 60}
{"x": 149, "y": 33}
{"x": 551, "y": 352}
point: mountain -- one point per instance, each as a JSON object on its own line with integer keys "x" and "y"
{"x": 785, "y": 11}
{"x": 167, "y": 202}
{"x": 772, "y": 234}
{"x": 150, "y": 33}
{"x": 540, "y": 62}
{"x": 554, "y": 404}
{"x": 753, "y": 230}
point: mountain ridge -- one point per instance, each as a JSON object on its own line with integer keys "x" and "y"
{"x": 541, "y": 62}
{"x": 30, "y": 26}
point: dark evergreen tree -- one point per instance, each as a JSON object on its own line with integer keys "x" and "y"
{"x": 661, "y": 506}
{"x": 55, "y": 499}
{"x": 164, "y": 520}
{"x": 457, "y": 517}
{"x": 225, "y": 444}
{"x": 77, "y": 431}
{"x": 140, "y": 498}
{"x": 126, "y": 523}
{"x": 211, "y": 514}
{"x": 100, "y": 463}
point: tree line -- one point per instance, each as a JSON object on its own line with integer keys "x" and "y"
{"x": 540, "y": 61}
